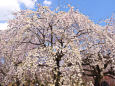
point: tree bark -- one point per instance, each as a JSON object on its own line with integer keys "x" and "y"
{"x": 97, "y": 81}
{"x": 59, "y": 55}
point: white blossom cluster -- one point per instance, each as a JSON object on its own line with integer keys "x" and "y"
{"x": 49, "y": 47}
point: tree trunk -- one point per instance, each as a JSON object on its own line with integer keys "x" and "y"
{"x": 57, "y": 76}
{"x": 97, "y": 81}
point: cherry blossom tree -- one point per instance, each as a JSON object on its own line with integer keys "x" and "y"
{"x": 98, "y": 55}
{"x": 48, "y": 47}
{"x": 41, "y": 47}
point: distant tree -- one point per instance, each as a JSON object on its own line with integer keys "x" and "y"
{"x": 98, "y": 55}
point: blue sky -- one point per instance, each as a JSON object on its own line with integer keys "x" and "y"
{"x": 97, "y": 10}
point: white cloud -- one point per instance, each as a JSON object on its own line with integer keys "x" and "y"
{"x": 3, "y": 26}
{"x": 28, "y": 3}
{"x": 7, "y": 7}
{"x": 47, "y": 3}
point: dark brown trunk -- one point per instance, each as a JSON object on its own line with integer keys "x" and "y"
{"x": 97, "y": 81}
{"x": 17, "y": 82}
{"x": 59, "y": 55}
